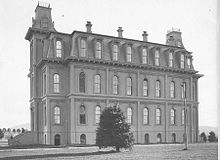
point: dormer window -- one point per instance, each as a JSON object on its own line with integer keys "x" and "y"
{"x": 189, "y": 62}
{"x": 157, "y": 57}
{"x": 58, "y": 49}
{"x": 98, "y": 52}
{"x": 83, "y": 48}
{"x": 144, "y": 56}
{"x": 115, "y": 52}
{"x": 182, "y": 61}
{"x": 129, "y": 53}
{"x": 171, "y": 59}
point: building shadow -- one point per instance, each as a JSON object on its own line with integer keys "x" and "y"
{"x": 57, "y": 155}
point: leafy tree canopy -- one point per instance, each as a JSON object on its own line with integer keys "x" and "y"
{"x": 113, "y": 130}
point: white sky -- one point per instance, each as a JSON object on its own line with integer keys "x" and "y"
{"x": 196, "y": 19}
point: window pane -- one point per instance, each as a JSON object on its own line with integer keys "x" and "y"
{"x": 97, "y": 83}
{"x": 145, "y": 88}
{"x": 115, "y": 85}
{"x": 97, "y": 114}
{"x": 57, "y": 115}
{"x": 144, "y": 56}
{"x": 129, "y": 115}
{"x": 145, "y": 116}
{"x": 56, "y": 83}
{"x": 58, "y": 49}
{"x": 182, "y": 61}
{"x": 82, "y": 82}
{"x": 82, "y": 116}
{"x": 158, "y": 116}
{"x": 171, "y": 59}
{"x": 172, "y": 116}
{"x": 157, "y": 88}
{"x": 98, "y": 50}
{"x": 129, "y": 54}
{"x": 172, "y": 89}
{"x": 157, "y": 57}
{"x": 83, "y": 48}
{"x": 129, "y": 86}
{"x": 115, "y": 52}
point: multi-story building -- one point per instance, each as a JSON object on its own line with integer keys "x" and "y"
{"x": 73, "y": 77}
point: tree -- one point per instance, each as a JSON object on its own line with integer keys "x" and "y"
{"x": 4, "y": 130}
{"x": 22, "y": 130}
{"x": 203, "y": 137}
{"x": 113, "y": 130}
{"x": 1, "y": 134}
{"x": 14, "y": 130}
{"x": 18, "y": 130}
{"x": 9, "y": 130}
{"x": 212, "y": 137}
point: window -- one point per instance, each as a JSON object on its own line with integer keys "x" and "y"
{"x": 182, "y": 61}
{"x": 183, "y": 117}
{"x": 159, "y": 139}
{"x": 157, "y": 57}
{"x": 144, "y": 56}
{"x": 183, "y": 90}
{"x": 115, "y": 52}
{"x": 129, "y": 54}
{"x": 115, "y": 85}
{"x": 58, "y": 49}
{"x": 189, "y": 62}
{"x": 145, "y": 87}
{"x": 57, "y": 139}
{"x": 158, "y": 88}
{"x": 173, "y": 137}
{"x": 97, "y": 83}
{"x": 172, "y": 89}
{"x": 171, "y": 59}
{"x": 82, "y": 82}
{"x": 146, "y": 138}
{"x": 129, "y": 115}
{"x": 98, "y": 53}
{"x": 129, "y": 86}
{"x": 83, "y": 48}
{"x": 44, "y": 83}
{"x": 172, "y": 116}
{"x": 97, "y": 114}
{"x": 45, "y": 114}
{"x": 56, "y": 83}
{"x": 82, "y": 115}
{"x": 158, "y": 116}
{"x": 146, "y": 116}
{"x": 82, "y": 139}
{"x": 57, "y": 115}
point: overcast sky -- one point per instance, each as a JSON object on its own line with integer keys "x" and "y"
{"x": 195, "y": 18}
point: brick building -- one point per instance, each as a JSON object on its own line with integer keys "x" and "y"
{"x": 75, "y": 76}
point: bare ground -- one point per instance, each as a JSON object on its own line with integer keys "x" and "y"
{"x": 200, "y": 151}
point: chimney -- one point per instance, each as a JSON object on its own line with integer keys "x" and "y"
{"x": 89, "y": 27}
{"x": 120, "y": 30}
{"x": 145, "y": 36}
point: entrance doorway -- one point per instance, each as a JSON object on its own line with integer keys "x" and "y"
{"x": 57, "y": 139}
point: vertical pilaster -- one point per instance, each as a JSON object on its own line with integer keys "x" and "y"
{"x": 191, "y": 88}
{"x": 165, "y": 121}
{"x": 138, "y": 119}
{"x": 72, "y": 78}
{"x": 138, "y": 83}
{"x": 107, "y": 81}
{"x": 73, "y": 120}
{"x": 166, "y": 85}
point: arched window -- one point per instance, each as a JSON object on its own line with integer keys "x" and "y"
{"x": 82, "y": 82}
{"x": 183, "y": 117}
{"x": 183, "y": 90}
{"x": 157, "y": 58}
{"x": 115, "y": 85}
{"x": 172, "y": 89}
{"x": 82, "y": 139}
{"x": 57, "y": 139}
{"x": 158, "y": 89}
{"x": 115, "y": 52}
{"x": 56, "y": 83}
{"x": 173, "y": 137}
{"x": 145, "y": 87}
{"x": 57, "y": 115}
{"x": 182, "y": 61}
{"x": 158, "y": 116}
{"x": 83, "y": 48}
{"x": 144, "y": 56}
{"x": 97, "y": 83}
{"x": 82, "y": 114}
{"x": 129, "y": 54}
{"x": 97, "y": 114}
{"x": 172, "y": 116}
{"x": 129, "y": 86}
{"x": 45, "y": 139}
{"x": 146, "y": 116}
{"x": 171, "y": 59}
{"x": 159, "y": 139}
{"x": 98, "y": 53}
{"x": 129, "y": 115}
{"x": 58, "y": 49}
{"x": 146, "y": 138}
